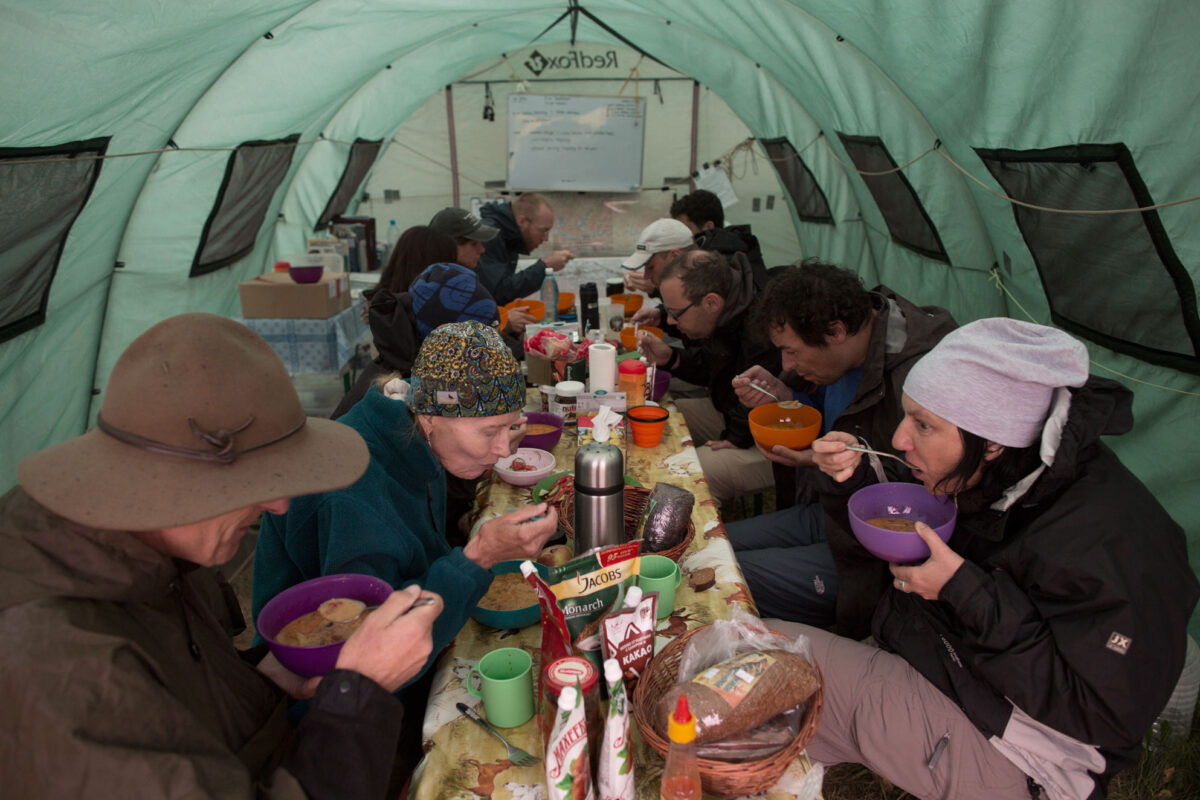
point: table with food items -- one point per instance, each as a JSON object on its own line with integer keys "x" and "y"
{"x": 580, "y": 643}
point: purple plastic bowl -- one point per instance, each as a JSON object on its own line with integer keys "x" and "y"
{"x": 306, "y": 274}
{"x": 908, "y": 500}
{"x": 304, "y": 598}
{"x": 543, "y": 441}
{"x": 662, "y": 379}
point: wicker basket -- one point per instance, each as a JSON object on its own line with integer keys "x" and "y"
{"x": 723, "y": 778}
{"x": 636, "y": 498}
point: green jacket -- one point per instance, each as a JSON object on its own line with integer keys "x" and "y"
{"x": 118, "y": 678}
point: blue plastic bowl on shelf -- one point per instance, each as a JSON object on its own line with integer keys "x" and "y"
{"x": 514, "y": 618}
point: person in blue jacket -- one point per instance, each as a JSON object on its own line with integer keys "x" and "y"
{"x": 466, "y": 391}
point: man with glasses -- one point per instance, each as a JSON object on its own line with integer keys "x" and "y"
{"x": 709, "y": 300}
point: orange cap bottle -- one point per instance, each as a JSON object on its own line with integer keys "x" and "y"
{"x": 681, "y": 776}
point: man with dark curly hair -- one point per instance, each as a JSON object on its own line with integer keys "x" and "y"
{"x": 845, "y": 351}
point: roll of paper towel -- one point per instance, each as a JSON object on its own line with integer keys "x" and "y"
{"x": 602, "y": 367}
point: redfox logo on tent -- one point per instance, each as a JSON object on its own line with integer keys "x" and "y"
{"x": 575, "y": 59}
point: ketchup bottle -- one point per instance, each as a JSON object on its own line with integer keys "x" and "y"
{"x": 681, "y": 776}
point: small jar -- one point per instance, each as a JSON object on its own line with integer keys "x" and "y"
{"x": 563, "y": 673}
{"x": 547, "y": 395}
{"x": 566, "y": 401}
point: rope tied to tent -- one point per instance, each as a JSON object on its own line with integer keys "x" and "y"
{"x": 998, "y": 281}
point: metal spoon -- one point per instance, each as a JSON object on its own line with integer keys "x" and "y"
{"x": 754, "y": 385}
{"x": 879, "y": 453}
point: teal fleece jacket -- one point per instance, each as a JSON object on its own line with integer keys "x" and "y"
{"x": 390, "y": 523}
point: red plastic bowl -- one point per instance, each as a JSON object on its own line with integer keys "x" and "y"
{"x": 306, "y": 274}
{"x": 543, "y": 441}
{"x": 907, "y": 500}
{"x": 304, "y": 598}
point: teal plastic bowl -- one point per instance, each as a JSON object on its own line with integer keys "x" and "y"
{"x": 515, "y": 618}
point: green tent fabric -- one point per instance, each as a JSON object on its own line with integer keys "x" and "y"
{"x": 174, "y": 87}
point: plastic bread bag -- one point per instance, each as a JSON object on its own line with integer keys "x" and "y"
{"x": 738, "y": 675}
{"x": 614, "y": 777}
{"x": 665, "y": 521}
{"x": 568, "y": 773}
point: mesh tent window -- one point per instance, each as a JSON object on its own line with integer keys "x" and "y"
{"x": 906, "y": 219}
{"x": 1150, "y": 310}
{"x": 42, "y": 192}
{"x": 252, "y": 175}
{"x": 807, "y": 196}
{"x": 362, "y": 156}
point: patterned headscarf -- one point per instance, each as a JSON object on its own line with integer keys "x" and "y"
{"x": 464, "y": 369}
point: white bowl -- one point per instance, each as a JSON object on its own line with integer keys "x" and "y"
{"x": 541, "y": 461}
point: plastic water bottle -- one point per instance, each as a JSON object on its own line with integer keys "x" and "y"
{"x": 549, "y": 295}
{"x": 390, "y": 238}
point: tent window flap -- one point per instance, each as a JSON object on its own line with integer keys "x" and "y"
{"x": 42, "y": 192}
{"x": 906, "y": 218}
{"x": 1148, "y": 306}
{"x": 362, "y": 156}
{"x": 252, "y": 176}
{"x": 807, "y": 196}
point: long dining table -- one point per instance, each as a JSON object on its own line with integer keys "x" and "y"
{"x": 461, "y": 760}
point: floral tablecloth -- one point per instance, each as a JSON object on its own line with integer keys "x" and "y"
{"x": 462, "y": 761}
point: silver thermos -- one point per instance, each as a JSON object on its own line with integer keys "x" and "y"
{"x": 599, "y": 496}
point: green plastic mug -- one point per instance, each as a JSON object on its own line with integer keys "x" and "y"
{"x": 506, "y": 681}
{"x": 660, "y": 574}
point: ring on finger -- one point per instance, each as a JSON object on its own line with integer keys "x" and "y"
{"x": 900, "y": 585}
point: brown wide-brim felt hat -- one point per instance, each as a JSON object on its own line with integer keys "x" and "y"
{"x": 199, "y": 418}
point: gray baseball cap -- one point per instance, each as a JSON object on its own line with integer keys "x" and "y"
{"x": 462, "y": 224}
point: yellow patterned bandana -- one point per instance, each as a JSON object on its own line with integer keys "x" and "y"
{"x": 464, "y": 369}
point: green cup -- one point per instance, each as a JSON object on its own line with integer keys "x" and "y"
{"x": 660, "y": 574}
{"x": 505, "y": 678}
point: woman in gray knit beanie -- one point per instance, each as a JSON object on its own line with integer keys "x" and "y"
{"x": 1028, "y": 656}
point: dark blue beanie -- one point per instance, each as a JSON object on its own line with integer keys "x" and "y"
{"x": 446, "y": 293}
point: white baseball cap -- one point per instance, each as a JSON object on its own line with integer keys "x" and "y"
{"x": 658, "y": 237}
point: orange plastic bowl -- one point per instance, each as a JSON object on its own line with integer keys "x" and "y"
{"x": 566, "y": 302}
{"x": 535, "y": 308}
{"x": 632, "y": 302}
{"x": 629, "y": 341}
{"x": 803, "y": 425}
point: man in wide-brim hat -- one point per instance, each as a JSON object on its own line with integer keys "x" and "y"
{"x": 119, "y": 675}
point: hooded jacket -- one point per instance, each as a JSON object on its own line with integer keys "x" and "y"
{"x": 1063, "y": 633}
{"x": 497, "y": 267}
{"x": 729, "y": 351}
{"x": 902, "y": 333}
{"x": 118, "y": 678}
{"x": 733, "y": 239}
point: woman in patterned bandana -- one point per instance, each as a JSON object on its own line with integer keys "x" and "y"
{"x": 465, "y": 392}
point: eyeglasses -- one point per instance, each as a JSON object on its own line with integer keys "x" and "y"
{"x": 675, "y": 315}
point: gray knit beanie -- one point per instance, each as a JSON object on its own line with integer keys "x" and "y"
{"x": 996, "y": 377}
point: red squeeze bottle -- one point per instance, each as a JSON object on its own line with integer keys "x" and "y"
{"x": 681, "y": 776}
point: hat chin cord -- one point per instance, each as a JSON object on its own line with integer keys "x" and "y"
{"x": 220, "y": 440}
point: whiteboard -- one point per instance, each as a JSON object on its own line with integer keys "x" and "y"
{"x": 562, "y": 143}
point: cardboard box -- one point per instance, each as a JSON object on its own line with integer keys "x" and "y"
{"x": 276, "y": 296}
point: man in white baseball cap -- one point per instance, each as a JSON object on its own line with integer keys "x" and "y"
{"x": 659, "y": 243}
